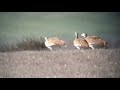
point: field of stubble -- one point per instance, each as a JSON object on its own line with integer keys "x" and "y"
{"x": 99, "y": 63}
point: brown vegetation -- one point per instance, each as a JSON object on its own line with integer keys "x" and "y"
{"x": 98, "y": 63}
{"x": 29, "y": 43}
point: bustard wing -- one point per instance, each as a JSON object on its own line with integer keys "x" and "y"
{"x": 80, "y": 42}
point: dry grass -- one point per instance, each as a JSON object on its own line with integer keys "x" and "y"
{"x": 99, "y": 63}
{"x": 29, "y": 43}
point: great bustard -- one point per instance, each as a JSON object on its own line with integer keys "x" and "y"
{"x": 94, "y": 41}
{"x": 49, "y": 42}
{"x": 80, "y": 42}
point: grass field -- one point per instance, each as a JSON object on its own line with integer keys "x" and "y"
{"x": 29, "y": 58}
{"x": 99, "y": 63}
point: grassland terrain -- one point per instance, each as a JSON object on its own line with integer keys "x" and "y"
{"x": 99, "y": 63}
{"x": 24, "y": 54}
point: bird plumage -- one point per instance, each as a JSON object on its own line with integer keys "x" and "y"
{"x": 94, "y": 40}
{"x": 49, "y": 42}
{"x": 80, "y": 42}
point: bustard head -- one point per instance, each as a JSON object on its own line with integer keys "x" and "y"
{"x": 76, "y": 35}
{"x": 46, "y": 38}
{"x": 84, "y": 34}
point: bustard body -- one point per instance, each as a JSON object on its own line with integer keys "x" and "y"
{"x": 94, "y": 41}
{"x": 80, "y": 42}
{"x": 50, "y": 42}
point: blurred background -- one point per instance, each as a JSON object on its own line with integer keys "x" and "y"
{"x": 18, "y": 25}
